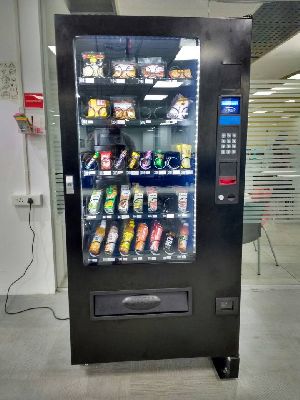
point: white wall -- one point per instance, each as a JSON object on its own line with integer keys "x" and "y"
{"x": 15, "y": 236}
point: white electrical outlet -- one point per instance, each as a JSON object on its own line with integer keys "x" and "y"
{"x": 22, "y": 199}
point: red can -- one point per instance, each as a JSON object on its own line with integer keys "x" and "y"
{"x": 155, "y": 236}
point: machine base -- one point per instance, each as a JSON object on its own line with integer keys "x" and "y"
{"x": 227, "y": 367}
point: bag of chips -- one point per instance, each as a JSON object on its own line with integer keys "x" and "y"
{"x": 123, "y": 107}
{"x": 98, "y": 108}
{"x": 179, "y": 107}
{"x": 123, "y": 69}
{"x": 152, "y": 68}
{"x": 92, "y": 64}
{"x": 180, "y": 73}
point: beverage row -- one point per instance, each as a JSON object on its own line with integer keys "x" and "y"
{"x": 154, "y": 238}
{"x": 126, "y": 108}
{"x": 175, "y": 200}
{"x": 104, "y": 160}
{"x": 95, "y": 64}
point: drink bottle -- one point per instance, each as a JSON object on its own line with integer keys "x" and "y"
{"x": 183, "y": 237}
{"x": 97, "y": 239}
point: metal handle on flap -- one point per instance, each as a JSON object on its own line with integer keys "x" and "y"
{"x": 143, "y": 302}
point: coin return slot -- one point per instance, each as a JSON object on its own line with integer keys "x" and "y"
{"x": 231, "y": 197}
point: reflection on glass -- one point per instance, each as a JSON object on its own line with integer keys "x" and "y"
{"x": 137, "y": 111}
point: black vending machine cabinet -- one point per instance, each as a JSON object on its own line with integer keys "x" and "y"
{"x": 153, "y": 114}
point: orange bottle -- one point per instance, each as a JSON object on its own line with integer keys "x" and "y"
{"x": 97, "y": 239}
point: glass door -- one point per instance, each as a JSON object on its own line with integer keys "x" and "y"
{"x": 137, "y": 112}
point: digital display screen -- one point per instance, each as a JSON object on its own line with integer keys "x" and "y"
{"x": 230, "y": 105}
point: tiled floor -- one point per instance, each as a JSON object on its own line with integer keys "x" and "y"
{"x": 285, "y": 239}
{"x": 35, "y": 358}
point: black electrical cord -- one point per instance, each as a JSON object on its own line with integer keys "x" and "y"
{"x": 30, "y": 201}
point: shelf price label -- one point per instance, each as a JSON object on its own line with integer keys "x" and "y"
{"x": 170, "y": 215}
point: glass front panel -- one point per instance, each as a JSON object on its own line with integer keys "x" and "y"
{"x": 137, "y": 112}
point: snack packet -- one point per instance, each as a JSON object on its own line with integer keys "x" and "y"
{"x": 123, "y": 107}
{"x": 98, "y": 108}
{"x": 92, "y": 64}
{"x": 180, "y": 73}
{"x": 123, "y": 69}
{"x": 152, "y": 68}
{"x": 179, "y": 107}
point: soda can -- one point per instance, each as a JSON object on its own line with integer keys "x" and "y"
{"x": 141, "y": 236}
{"x": 155, "y": 237}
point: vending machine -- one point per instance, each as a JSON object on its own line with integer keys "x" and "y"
{"x": 153, "y": 114}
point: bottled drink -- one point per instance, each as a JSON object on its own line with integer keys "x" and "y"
{"x": 119, "y": 164}
{"x": 145, "y": 162}
{"x": 93, "y": 161}
{"x": 141, "y": 236}
{"x": 138, "y": 199}
{"x": 183, "y": 237}
{"x": 127, "y": 236}
{"x": 110, "y": 200}
{"x": 169, "y": 242}
{"x": 152, "y": 199}
{"x": 155, "y": 237}
{"x": 97, "y": 239}
{"x": 134, "y": 160}
{"x": 111, "y": 240}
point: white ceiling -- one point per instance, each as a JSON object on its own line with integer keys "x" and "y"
{"x": 282, "y": 61}
{"x": 279, "y": 62}
{"x": 184, "y": 8}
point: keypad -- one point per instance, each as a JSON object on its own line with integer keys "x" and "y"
{"x": 228, "y": 143}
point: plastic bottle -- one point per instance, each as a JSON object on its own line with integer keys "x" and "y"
{"x": 183, "y": 237}
{"x": 97, "y": 239}
{"x": 92, "y": 161}
{"x": 111, "y": 239}
{"x": 128, "y": 234}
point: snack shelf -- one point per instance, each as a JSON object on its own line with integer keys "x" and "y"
{"x": 106, "y": 259}
{"x": 149, "y": 173}
{"x": 131, "y": 215}
{"x": 134, "y": 123}
{"x": 169, "y": 83}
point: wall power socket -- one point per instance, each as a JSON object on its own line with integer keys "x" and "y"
{"x": 22, "y": 199}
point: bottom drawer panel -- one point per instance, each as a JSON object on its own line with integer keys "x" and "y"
{"x": 141, "y": 303}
